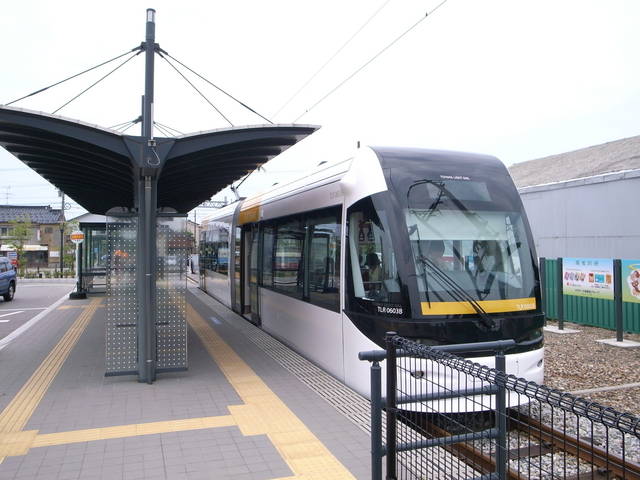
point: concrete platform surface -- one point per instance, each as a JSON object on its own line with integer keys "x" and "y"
{"x": 235, "y": 414}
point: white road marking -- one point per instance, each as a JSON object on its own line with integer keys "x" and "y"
{"x": 20, "y": 330}
{"x": 9, "y": 314}
{"x": 22, "y": 309}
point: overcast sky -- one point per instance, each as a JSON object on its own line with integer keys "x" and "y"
{"x": 515, "y": 79}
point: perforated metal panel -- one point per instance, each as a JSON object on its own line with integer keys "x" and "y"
{"x": 174, "y": 244}
{"x": 122, "y": 306}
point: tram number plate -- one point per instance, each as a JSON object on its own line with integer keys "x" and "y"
{"x": 386, "y": 309}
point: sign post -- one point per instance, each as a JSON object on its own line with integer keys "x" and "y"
{"x": 77, "y": 237}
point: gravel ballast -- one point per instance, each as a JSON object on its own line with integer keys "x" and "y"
{"x": 576, "y": 361}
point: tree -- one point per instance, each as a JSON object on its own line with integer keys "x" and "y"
{"x": 21, "y": 230}
{"x": 69, "y": 248}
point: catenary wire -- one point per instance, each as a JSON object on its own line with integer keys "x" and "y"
{"x": 215, "y": 86}
{"x": 73, "y": 76}
{"x": 98, "y": 81}
{"x": 194, "y": 87}
{"x": 335, "y": 54}
{"x": 363, "y": 66}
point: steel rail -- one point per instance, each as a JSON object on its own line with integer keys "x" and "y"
{"x": 579, "y": 448}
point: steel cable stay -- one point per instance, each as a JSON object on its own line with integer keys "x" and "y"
{"x": 171, "y": 129}
{"x": 195, "y": 88}
{"x": 74, "y": 76}
{"x": 98, "y": 81}
{"x": 121, "y": 125}
{"x": 162, "y": 130}
{"x": 161, "y": 51}
{"x": 124, "y": 130}
{"x": 330, "y": 59}
{"x": 368, "y": 62}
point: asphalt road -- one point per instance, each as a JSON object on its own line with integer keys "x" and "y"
{"x": 31, "y": 298}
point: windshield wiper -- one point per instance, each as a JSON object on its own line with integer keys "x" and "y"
{"x": 449, "y": 283}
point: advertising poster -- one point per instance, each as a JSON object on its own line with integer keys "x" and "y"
{"x": 588, "y": 277}
{"x": 631, "y": 281}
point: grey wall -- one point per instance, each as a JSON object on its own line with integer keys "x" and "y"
{"x": 591, "y": 217}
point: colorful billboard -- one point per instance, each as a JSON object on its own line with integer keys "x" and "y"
{"x": 631, "y": 281}
{"x": 588, "y": 277}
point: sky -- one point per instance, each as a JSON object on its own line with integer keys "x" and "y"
{"x": 517, "y": 79}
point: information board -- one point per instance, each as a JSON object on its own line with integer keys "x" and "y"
{"x": 588, "y": 277}
{"x": 631, "y": 281}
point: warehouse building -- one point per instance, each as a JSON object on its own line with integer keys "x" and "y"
{"x": 584, "y": 203}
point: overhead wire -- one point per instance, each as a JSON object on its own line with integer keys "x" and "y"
{"x": 195, "y": 88}
{"x": 368, "y": 62}
{"x": 98, "y": 81}
{"x": 73, "y": 76}
{"x": 214, "y": 85}
{"x": 335, "y": 54}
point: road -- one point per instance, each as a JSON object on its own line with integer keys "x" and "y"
{"x": 32, "y": 297}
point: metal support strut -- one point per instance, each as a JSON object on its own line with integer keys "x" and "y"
{"x": 147, "y": 200}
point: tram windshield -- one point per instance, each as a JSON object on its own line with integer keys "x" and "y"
{"x": 466, "y": 250}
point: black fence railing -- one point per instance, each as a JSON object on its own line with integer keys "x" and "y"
{"x": 447, "y": 417}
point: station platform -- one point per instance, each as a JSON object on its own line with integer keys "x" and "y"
{"x": 247, "y": 408}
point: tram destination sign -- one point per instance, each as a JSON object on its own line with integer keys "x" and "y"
{"x": 588, "y": 277}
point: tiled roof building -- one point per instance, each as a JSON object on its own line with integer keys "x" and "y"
{"x": 40, "y": 214}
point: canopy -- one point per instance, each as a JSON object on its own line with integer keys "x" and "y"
{"x": 95, "y": 166}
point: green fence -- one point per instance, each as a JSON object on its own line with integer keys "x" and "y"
{"x": 584, "y": 310}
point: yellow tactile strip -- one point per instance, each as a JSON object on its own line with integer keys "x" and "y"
{"x": 122, "y": 431}
{"x": 16, "y": 415}
{"x": 264, "y": 412}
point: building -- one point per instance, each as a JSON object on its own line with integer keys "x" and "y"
{"x": 584, "y": 203}
{"x": 42, "y": 249}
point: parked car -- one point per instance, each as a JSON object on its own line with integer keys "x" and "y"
{"x": 7, "y": 279}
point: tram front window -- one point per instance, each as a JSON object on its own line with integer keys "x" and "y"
{"x": 373, "y": 263}
{"x": 463, "y": 253}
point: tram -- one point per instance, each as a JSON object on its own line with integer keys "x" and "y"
{"x": 433, "y": 245}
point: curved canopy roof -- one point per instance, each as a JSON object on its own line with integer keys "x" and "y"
{"x": 96, "y": 166}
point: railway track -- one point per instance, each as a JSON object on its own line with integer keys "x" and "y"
{"x": 539, "y": 440}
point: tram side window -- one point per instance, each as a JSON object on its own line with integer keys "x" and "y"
{"x": 288, "y": 261}
{"x": 268, "y": 237}
{"x": 323, "y": 230}
{"x": 214, "y": 248}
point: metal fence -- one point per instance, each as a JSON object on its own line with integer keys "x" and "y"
{"x": 447, "y": 417}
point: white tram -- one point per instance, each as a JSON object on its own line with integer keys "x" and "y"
{"x": 433, "y": 245}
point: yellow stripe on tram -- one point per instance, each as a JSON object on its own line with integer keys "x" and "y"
{"x": 489, "y": 306}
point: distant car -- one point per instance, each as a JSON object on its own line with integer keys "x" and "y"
{"x": 7, "y": 279}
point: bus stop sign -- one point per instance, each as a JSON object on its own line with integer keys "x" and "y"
{"x": 77, "y": 237}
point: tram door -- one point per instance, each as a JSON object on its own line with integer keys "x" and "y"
{"x": 251, "y": 308}
{"x": 237, "y": 296}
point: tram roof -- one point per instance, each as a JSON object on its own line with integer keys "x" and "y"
{"x": 95, "y": 166}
